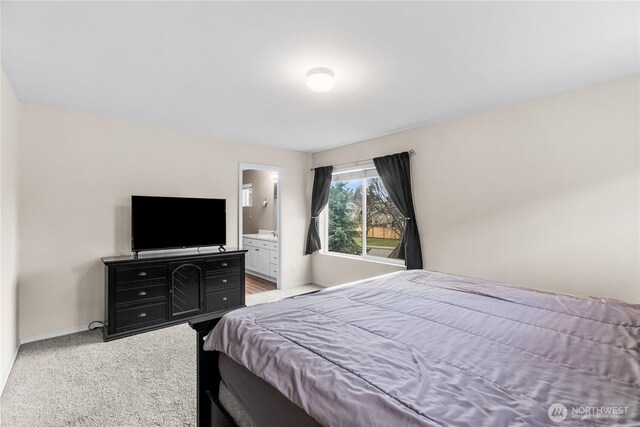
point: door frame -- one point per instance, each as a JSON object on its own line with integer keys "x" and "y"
{"x": 279, "y": 221}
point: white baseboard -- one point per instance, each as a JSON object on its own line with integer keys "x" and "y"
{"x": 296, "y": 284}
{"x": 53, "y": 334}
{"x": 322, "y": 285}
{"x": 5, "y": 375}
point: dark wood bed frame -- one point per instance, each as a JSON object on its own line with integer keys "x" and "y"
{"x": 210, "y": 412}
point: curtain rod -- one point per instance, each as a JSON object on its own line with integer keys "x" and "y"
{"x": 357, "y": 162}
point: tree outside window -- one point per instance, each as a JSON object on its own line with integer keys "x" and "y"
{"x": 363, "y": 224}
{"x": 344, "y": 218}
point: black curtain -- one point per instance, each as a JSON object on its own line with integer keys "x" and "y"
{"x": 319, "y": 199}
{"x": 395, "y": 173}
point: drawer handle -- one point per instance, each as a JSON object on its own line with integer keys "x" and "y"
{"x": 224, "y": 264}
{"x": 142, "y": 315}
{"x": 142, "y": 273}
{"x": 224, "y": 280}
{"x": 142, "y": 293}
{"x": 224, "y": 298}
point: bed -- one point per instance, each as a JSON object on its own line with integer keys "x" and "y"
{"x": 421, "y": 348}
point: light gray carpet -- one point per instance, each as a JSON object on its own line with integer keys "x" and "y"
{"x": 79, "y": 380}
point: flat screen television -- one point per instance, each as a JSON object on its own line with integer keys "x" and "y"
{"x": 177, "y": 222}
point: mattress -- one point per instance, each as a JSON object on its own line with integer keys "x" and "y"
{"x": 420, "y": 348}
{"x": 258, "y": 399}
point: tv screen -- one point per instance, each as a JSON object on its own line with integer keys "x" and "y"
{"x": 177, "y": 222}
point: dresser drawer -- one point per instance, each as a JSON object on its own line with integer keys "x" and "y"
{"x": 223, "y": 264}
{"x": 136, "y": 274}
{"x": 264, "y": 244}
{"x": 140, "y": 293}
{"x": 146, "y": 293}
{"x": 217, "y": 281}
{"x": 221, "y": 300}
{"x": 140, "y": 315}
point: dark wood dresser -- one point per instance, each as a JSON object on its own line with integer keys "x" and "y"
{"x": 151, "y": 292}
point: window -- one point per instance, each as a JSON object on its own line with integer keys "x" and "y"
{"x": 360, "y": 219}
{"x": 247, "y": 195}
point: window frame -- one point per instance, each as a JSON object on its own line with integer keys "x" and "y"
{"x": 324, "y": 222}
{"x": 247, "y": 195}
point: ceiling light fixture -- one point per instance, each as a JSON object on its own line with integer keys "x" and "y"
{"x": 320, "y": 79}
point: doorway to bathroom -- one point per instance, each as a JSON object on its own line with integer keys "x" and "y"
{"x": 259, "y": 225}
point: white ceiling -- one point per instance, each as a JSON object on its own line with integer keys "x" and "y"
{"x": 237, "y": 70}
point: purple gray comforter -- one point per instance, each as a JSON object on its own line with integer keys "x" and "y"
{"x": 424, "y": 348}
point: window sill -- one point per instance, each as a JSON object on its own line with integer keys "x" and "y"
{"x": 399, "y": 263}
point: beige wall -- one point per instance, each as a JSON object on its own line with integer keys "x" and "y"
{"x": 543, "y": 194}
{"x": 258, "y": 216}
{"x": 78, "y": 173}
{"x": 9, "y": 201}
{"x": 331, "y": 270}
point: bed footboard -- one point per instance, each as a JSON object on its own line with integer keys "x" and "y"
{"x": 210, "y": 412}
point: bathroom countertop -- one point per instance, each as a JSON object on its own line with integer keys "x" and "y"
{"x": 261, "y": 236}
